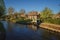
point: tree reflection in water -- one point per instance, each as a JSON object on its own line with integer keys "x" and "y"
{"x": 32, "y": 27}
{"x": 30, "y": 32}
{"x": 47, "y": 34}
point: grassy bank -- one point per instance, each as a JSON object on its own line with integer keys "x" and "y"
{"x": 52, "y": 21}
{"x": 53, "y": 27}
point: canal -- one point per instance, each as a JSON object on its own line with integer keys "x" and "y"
{"x": 28, "y": 32}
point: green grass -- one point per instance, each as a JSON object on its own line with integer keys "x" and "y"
{"x": 53, "y": 21}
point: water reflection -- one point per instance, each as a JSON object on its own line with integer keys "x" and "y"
{"x": 29, "y": 32}
{"x": 32, "y": 27}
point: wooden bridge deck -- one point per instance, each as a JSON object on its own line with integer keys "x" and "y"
{"x": 52, "y": 27}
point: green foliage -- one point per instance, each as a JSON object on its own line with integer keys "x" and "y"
{"x": 56, "y": 21}
{"x": 22, "y": 18}
{"x": 28, "y": 20}
{"x": 46, "y": 13}
{"x": 49, "y": 20}
{"x": 24, "y": 21}
{"x": 53, "y": 21}
{"x": 46, "y": 16}
{"x": 1, "y": 27}
{"x": 10, "y": 10}
{"x": 2, "y": 11}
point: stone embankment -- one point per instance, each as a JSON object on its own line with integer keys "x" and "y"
{"x": 53, "y": 27}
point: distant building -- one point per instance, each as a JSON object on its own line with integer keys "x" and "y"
{"x": 22, "y": 14}
{"x": 33, "y": 16}
{"x": 56, "y": 15}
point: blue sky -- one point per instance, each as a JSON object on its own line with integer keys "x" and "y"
{"x": 33, "y": 5}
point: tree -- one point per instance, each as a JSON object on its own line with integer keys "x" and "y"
{"x": 22, "y": 11}
{"x": 10, "y": 10}
{"x": 58, "y": 13}
{"x": 2, "y": 11}
{"x": 46, "y": 13}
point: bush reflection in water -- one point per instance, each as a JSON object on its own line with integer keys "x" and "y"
{"x": 30, "y": 32}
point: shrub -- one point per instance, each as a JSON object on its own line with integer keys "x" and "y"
{"x": 56, "y": 21}
{"x": 50, "y": 20}
{"x": 24, "y": 21}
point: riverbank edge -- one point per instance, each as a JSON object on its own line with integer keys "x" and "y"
{"x": 53, "y": 27}
{"x": 49, "y": 26}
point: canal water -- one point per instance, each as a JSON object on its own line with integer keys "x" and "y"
{"x": 28, "y": 32}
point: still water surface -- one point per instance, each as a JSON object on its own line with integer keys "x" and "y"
{"x": 27, "y": 32}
